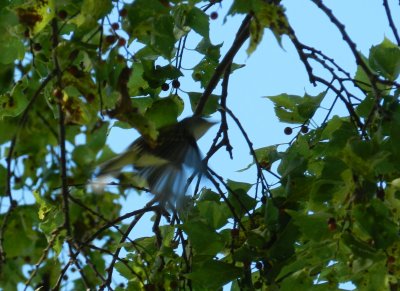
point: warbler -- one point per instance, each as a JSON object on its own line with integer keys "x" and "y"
{"x": 163, "y": 164}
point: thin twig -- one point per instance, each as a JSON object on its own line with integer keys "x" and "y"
{"x": 391, "y": 22}
{"x": 62, "y": 138}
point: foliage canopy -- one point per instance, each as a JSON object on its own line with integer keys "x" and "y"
{"x": 325, "y": 208}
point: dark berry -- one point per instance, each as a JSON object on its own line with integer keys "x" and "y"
{"x": 123, "y": 12}
{"x": 263, "y": 199}
{"x": 165, "y": 87}
{"x": 27, "y": 33}
{"x": 380, "y": 194}
{"x": 73, "y": 70}
{"x": 214, "y": 15}
{"x": 288, "y": 130}
{"x": 332, "y": 224}
{"x": 111, "y": 39}
{"x": 73, "y": 55}
{"x": 174, "y": 244}
{"x": 176, "y": 84}
{"x": 121, "y": 41}
{"x": 115, "y": 26}
{"x": 120, "y": 58}
{"x": 265, "y": 165}
{"x": 235, "y": 232}
{"x": 37, "y": 47}
{"x": 150, "y": 287}
{"x": 62, "y": 14}
{"x": 174, "y": 285}
{"x": 27, "y": 259}
{"x": 304, "y": 128}
{"x": 90, "y": 97}
{"x": 11, "y": 101}
{"x": 57, "y": 93}
{"x": 258, "y": 285}
{"x": 259, "y": 265}
{"x": 391, "y": 260}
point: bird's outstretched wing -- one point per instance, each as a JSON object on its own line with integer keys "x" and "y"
{"x": 163, "y": 164}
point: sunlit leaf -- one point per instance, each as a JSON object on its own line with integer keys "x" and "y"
{"x": 295, "y": 109}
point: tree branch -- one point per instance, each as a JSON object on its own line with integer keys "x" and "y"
{"x": 61, "y": 125}
{"x": 391, "y": 22}
{"x": 241, "y": 36}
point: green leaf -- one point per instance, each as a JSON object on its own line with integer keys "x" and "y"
{"x": 283, "y": 246}
{"x": 90, "y": 13}
{"x": 198, "y": 20}
{"x": 83, "y": 156}
{"x": 362, "y": 80}
{"x": 293, "y": 162}
{"x": 312, "y": 226}
{"x": 200, "y": 275}
{"x": 96, "y": 138}
{"x": 6, "y": 77}
{"x": 211, "y": 106}
{"x": 238, "y": 197}
{"x": 240, "y": 6}
{"x": 267, "y": 155}
{"x": 359, "y": 156}
{"x": 11, "y": 48}
{"x": 168, "y": 72}
{"x": 385, "y": 59}
{"x": 266, "y": 14}
{"x": 154, "y": 75}
{"x": 209, "y": 195}
{"x": 165, "y": 111}
{"x": 151, "y": 24}
{"x": 203, "y": 238}
{"x": 137, "y": 83}
{"x": 296, "y": 109}
{"x": 300, "y": 281}
{"x": 216, "y": 213}
{"x": 164, "y": 38}
{"x": 330, "y": 184}
{"x": 36, "y": 14}
{"x": 21, "y": 237}
{"x": 141, "y": 10}
{"x": 309, "y": 256}
{"x": 366, "y": 106}
{"x": 377, "y": 276}
{"x": 256, "y": 36}
{"x": 44, "y": 206}
{"x": 358, "y": 247}
{"x": 204, "y": 70}
{"x": 11, "y": 274}
{"x": 338, "y": 132}
{"x": 3, "y": 173}
{"x": 212, "y": 52}
{"x": 375, "y": 219}
{"x": 15, "y": 102}
{"x": 271, "y": 214}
